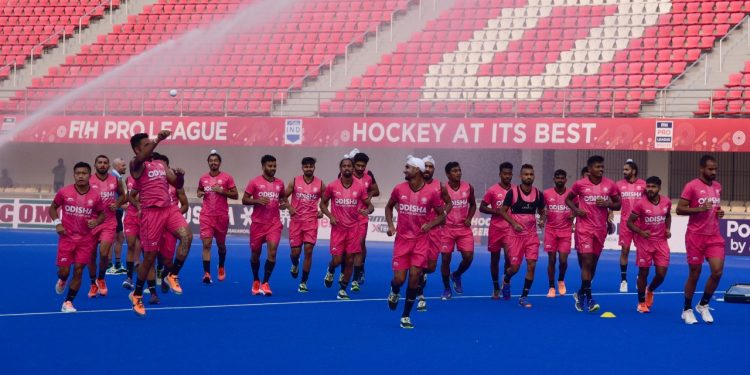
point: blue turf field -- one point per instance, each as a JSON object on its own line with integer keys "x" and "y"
{"x": 223, "y": 329}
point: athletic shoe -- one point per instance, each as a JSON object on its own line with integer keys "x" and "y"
{"x": 328, "y": 280}
{"x": 688, "y": 317}
{"x": 160, "y": 279}
{"x": 593, "y": 306}
{"x": 561, "y": 288}
{"x": 67, "y": 307}
{"x": 649, "y": 298}
{"x": 60, "y": 286}
{"x": 302, "y": 288}
{"x": 154, "y": 300}
{"x": 393, "y": 300}
{"x": 174, "y": 283}
{"x": 294, "y": 271}
{"x": 643, "y": 308}
{"x": 341, "y": 278}
{"x": 222, "y": 273}
{"x": 93, "y": 291}
{"x": 457, "y": 285}
{"x": 137, "y": 302}
{"x": 265, "y": 290}
{"x": 446, "y": 295}
{"x": 146, "y": 291}
{"x": 551, "y": 293}
{"x": 495, "y": 293}
{"x": 524, "y": 302}
{"x": 342, "y": 295}
{"x": 355, "y": 286}
{"x": 623, "y": 286}
{"x": 121, "y": 271}
{"x": 128, "y": 284}
{"x": 164, "y": 285}
{"x": 256, "y": 287}
{"x": 102, "y": 287}
{"x": 207, "y": 278}
{"x": 362, "y": 278}
{"x": 705, "y": 312}
{"x": 506, "y": 291}
{"x": 111, "y": 270}
{"x": 579, "y": 301}
{"x": 406, "y": 323}
{"x": 421, "y": 304}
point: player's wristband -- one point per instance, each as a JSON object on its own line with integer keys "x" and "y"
{"x": 56, "y": 222}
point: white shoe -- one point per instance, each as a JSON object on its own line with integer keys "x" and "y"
{"x": 111, "y": 271}
{"x": 67, "y": 307}
{"x": 705, "y": 312}
{"x": 422, "y": 304}
{"x": 688, "y": 317}
{"x": 623, "y": 286}
{"x": 60, "y": 286}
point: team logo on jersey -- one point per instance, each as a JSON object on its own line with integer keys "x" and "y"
{"x": 111, "y": 186}
{"x": 354, "y": 193}
{"x": 648, "y": 211}
{"x": 404, "y": 197}
{"x": 605, "y": 189}
{"x": 293, "y": 132}
{"x": 424, "y": 200}
{"x": 69, "y": 199}
{"x": 90, "y": 202}
{"x": 315, "y": 190}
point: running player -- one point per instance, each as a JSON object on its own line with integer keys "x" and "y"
{"x": 650, "y": 219}
{"x": 132, "y": 227}
{"x": 305, "y": 192}
{"x": 458, "y": 233}
{"x": 82, "y": 210}
{"x": 596, "y": 195}
{"x": 266, "y": 194}
{"x": 414, "y": 202}
{"x": 349, "y": 202}
{"x": 113, "y": 196}
{"x": 119, "y": 167}
{"x": 497, "y": 238}
{"x": 631, "y": 191}
{"x": 152, "y": 180}
{"x": 520, "y": 207}
{"x": 364, "y": 176}
{"x": 215, "y": 187}
{"x": 557, "y": 232}
{"x": 437, "y": 234}
{"x": 701, "y": 200}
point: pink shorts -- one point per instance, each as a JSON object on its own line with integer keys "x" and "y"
{"x": 590, "y": 243}
{"x": 214, "y": 227}
{"x": 345, "y": 240}
{"x": 261, "y": 232}
{"x": 461, "y": 238}
{"x": 650, "y": 252}
{"x": 303, "y": 232}
{"x": 132, "y": 224}
{"x": 168, "y": 245}
{"x": 105, "y": 232}
{"x": 435, "y": 239}
{"x": 363, "y": 227}
{"x": 155, "y": 221}
{"x": 701, "y": 246}
{"x": 520, "y": 247}
{"x": 557, "y": 241}
{"x": 626, "y": 235}
{"x": 409, "y": 252}
{"x": 78, "y": 251}
{"x": 497, "y": 239}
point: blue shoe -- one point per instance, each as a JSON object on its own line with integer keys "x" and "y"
{"x": 524, "y": 302}
{"x": 506, "y": 291}
{"x": 593, "y": 306}
{"x": 579, "y": 301}
{"x": 446, "y": 295}
{"x": 457, "y": 283}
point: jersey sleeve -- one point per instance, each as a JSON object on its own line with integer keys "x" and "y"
{"x": 59, "y": 199}
{"x": 487, "y": 199}
{"x": 372, "y": 176}
{"x": 250, "y": 189}
{"x": 363, "y": 193}
{"x": 687, "y": 193}
{"x": 230, "y": 183}
{"x": 394, "y": 194}
{"x": 540, "y": 201}
{"x": 615, "y": 190}
{"x": 637, "y": 209}
{"x": 576, "y": 188}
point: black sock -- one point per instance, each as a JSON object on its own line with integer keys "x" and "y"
{"x": 332, "y": 270}
{"x": 118, "y": 264}
{"x": 394, "y": 288}
{"x": 343, "y": 266}
{"x": 343, "y": 284}
{"x": 176, "y": 267}
{"x": 151, "y": 286}
{"x": 422, "y": 284}
{"x": 101, "y": 274}
{"x": 268, "y": 270}
{"x": 705, "y": 299}
{"x": 358, "y": 270}
{"x": 462, "y": 267}
{"x": 495, "y": 284}
{"x": 139, "y": 287}
{"x": 641, "y": 296}
{"x": 305, "y": 275}
{"x": 109, "y": 265}
{"x": 552, "y": 283}
{"x": 129, "y": 266}
{"x": 295, "y": 261}
{"x": 624, "y": 272}
{"x": 255, "y": 266}
{"x": 206, "y": 266}
{"x": 526, "y": 287}
{"x": 93, "y": 280}
{"x": 506, "y": 279}
{"x": 586, "y": 288}
{"x": 411, "y": 296}
{"x": 71, "y": 295}
{"x": 446, "y": 281}
{"x": 222, "y": 258}
{"x": 688, "y": 304}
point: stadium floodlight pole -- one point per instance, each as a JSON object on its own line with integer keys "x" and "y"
{"x": 111, "y": 14}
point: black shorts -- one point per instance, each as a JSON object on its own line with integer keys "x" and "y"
{"x": 118, "y": 215}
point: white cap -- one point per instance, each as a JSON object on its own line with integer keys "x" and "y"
{"x": 214, "y": 152}
{"x": 415, "y": 162}
{"x": 428, "y": 159}
{"x": 351, "y": 154}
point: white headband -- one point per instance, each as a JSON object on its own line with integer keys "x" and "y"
{"x": 415, "y": 162}
{"x": 428, "y": 159}
{"x": 351, "y": 154}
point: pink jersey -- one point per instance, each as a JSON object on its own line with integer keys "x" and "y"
{"x": 77, "y": 209}
{"x": 346, "y": 202}
{"x": 130, "y": 185}
{"x": 435, "y": 185}
{"x": 174, "y": 199}
{"x": 367, "y": 180}
{"x": 558, "y": 213}
{"x": 414, "y": 209}
{"x": 215, "y": 204}
{"x": 629, "y": 195}
{"x": 107, "y": 189}
{"x": 697, "y": 193}
{"x": 305, "y": 198}
{"x": 152, "y": 186}
{"x": 588, "y": 193}
{"x": 460, "y": 209}
{"x": 653, "y": 217}
{"x": 258, "y": 188}
{"x": 494, "y": 197}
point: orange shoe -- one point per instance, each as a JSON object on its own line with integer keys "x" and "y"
{"x": 174, "y": 283}
{"x": 265, "y": 290}
{"x": 649, "y": 298}
{"x": 561, "y": 288}
{"x": 222, "y": 274}
{"x": 643, "y": 308}
{"x": 137, "y": 301}
{"x": 256, "y": 287}
{"x": 102, "y": 287}
{"x": 93, "y": 291}
{"x": 551, "y": 293}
